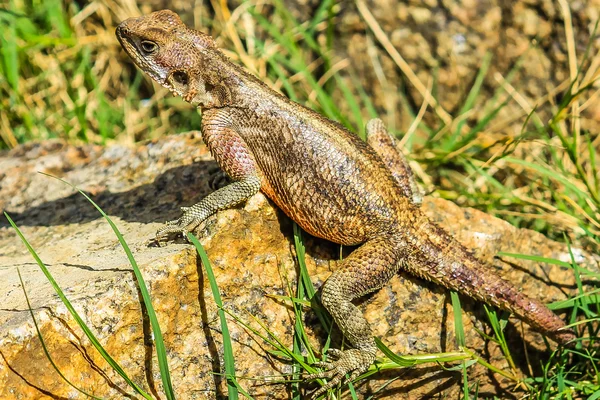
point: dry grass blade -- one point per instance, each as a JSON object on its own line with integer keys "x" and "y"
{"x": 413, "y": 126}
{"x": 335, "y": 68}
{"x": 572, "y": 57}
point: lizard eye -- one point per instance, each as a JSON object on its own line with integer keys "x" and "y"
{"x": 180, "y": 77}
{"x": 148, "y": 47}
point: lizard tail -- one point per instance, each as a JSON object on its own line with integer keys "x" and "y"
{"x": 442, "y": 259}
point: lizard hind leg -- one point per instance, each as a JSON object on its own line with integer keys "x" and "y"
{"x": 367, "y": 269}
{"x": 386, "y": 147}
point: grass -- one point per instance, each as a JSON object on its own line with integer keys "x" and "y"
{"x": 62, "y": 75}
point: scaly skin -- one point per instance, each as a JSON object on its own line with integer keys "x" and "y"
{"x": 325, "y": 178}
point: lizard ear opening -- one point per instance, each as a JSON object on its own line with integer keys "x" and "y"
{"x": 178, "y": 81}
{"x": 191, "y": 89}
{"x": 180, "y": 77}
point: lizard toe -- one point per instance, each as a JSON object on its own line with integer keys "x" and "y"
{"x": 333, "y": 382}
{"x": 352, "y": 361}
{"x": 327, "y": 374}
{"x": 352, "y": 376}
{"x": 335, "y": 354}
{"x": 170, "y": 228}
{"x": 326, "y": 365}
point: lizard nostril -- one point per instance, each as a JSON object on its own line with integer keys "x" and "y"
{"x": 122, "y": 30}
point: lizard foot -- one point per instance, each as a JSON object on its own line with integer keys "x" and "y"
{"x": 180, "y": 226}
{"x": 353, "y": 362}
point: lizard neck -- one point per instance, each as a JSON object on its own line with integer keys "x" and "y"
{"x": 225, "y": 84}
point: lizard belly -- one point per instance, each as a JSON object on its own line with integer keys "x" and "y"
{"x": 320, "y": 217}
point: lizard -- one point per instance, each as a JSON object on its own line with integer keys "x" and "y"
{"x": 333, "y": 184}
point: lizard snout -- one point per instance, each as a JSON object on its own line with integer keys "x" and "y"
{"x": 122, "y": 31}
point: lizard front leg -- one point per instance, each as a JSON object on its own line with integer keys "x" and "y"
{"x": 234, "y": 157}
{"x": 387, "y": 149}
{"x": 367, "y": 269}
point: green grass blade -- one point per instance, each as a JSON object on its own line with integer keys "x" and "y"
{"x": 90, "y": 335}
{"x": 460, "y": 337}
{"x": 401, "y": 361}
{"x": 57, "y": 17}
{"x": 498, "y": 326}
{"x": 412, "y": 360}
{"x": 8, "y": 51}
{"x": 300, "y": 340}
{"x": 352, "y": 391}
{"x": 355, "y": 108}
{"x": 588, "y": 298}
{"x": 308, "y": 285}
{"x": 364, "y": 96}
{"x": 470, "y": 100}
{"x": 300, "y": 255}
{"x": 320, "y": 14}
{"x": 281, "y": 349}
{"x": 310, "y": 293}
{"x": 553, "y": 175}
{"x": 232, "y": 385}
{"x": 546, "y": 260}
{"x": 44, "y": 347}
{"x": 595, "y": 396}
{"x": 294, "y": 61}
{"x": 458, "y": 325}
{"x": 241, "y": 390}
{"x": 297, "y": 349}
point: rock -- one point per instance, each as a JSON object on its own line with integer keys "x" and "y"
{"x": 252, "y": 253}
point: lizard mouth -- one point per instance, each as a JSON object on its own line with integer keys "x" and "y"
{"x": 126, "y": 42}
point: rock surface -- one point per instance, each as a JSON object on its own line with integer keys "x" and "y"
{"x": 252, "y": 252}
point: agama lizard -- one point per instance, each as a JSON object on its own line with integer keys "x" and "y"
{"x": 325, "y": 178}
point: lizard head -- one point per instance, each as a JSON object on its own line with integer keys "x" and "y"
{"x": 172, "y": 54}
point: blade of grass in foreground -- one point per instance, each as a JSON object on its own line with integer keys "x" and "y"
{"x": 299, "y": 340}
{"x": 412, "y": 360}
{"x": 76, "y": 316}
{"x": 161, "y": 353}
{"x": 470, "y": 100}
{"x": 309, "y": 292}
{"x": 498, "y": 326}
{"x": 460, "y": 337}
{"x": 232, "y": 384}
{"x": 308, "y": 286}
{"x": 41, "y": 338}
{"x": 467, "y": 357}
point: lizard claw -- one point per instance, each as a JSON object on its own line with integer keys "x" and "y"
{"x": 352, "y": 361}
{"x": 170, "y": 227}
